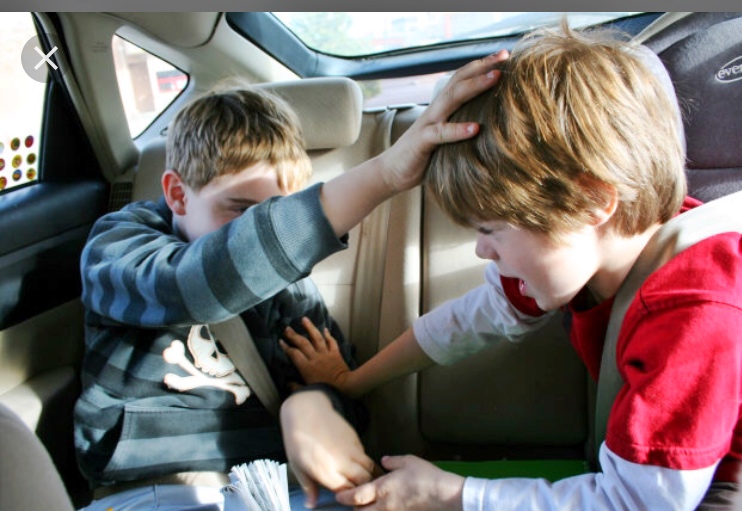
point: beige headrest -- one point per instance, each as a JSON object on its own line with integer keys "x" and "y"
{"x": 329, "y": 109}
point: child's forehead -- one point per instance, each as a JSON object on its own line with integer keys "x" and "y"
{"x": 260, "y": 171}
{"x": 259, "y": 167}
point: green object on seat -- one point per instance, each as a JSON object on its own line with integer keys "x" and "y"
{"x": 553, "y": 470}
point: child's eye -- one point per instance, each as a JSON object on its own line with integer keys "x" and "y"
{"x": 484, "y": 230}
{"x": 241, "y": 208}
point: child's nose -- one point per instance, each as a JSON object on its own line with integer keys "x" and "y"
{"x": 485, "y": 250}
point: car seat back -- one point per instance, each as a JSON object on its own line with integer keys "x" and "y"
{"x": 28, "y": 477}
{"x": 488, "y": 406}
{"x": 703, "y": 55}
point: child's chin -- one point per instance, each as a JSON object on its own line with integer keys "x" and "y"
{"x": 548, "y": 304}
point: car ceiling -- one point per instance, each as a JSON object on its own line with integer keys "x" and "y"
{"x": 182, "y": 29}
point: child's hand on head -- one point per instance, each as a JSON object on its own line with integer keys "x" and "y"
{"x": 318, "y": 357}
{"x": 407, "y": 158}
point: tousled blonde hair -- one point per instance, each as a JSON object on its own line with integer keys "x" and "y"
{"x": 574, "y": 118}
{"x": 230, "y": 128}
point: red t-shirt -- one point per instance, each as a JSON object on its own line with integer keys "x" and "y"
{"x": 679, "y": 353}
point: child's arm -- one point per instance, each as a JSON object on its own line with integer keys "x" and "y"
{"x": 350, "y": 197}
{"x": 444, "y": 335}
{"x": 319, "y": 361}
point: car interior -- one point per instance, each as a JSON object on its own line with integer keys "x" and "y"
{"x": 531, "y": 401}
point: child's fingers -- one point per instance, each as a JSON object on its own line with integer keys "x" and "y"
{"x": 359, "y": 496}
{"x": 394, "y": 462}
{"x": 476, "y": 76}
{"x": 296, "y": 338}
{"x": 332, "y": 343}
{"x": 479, "y": 67}
{"x": 377, "y": 471}
{"x": 318, "y": 340}
{"x": 296, "y": 356}
{"x": 299, "y": 343}
{"x": 357, "y": 475}
{"x": 465, "y": 84}
{"x": 310, "y": 488}
{"x": 443, "y": 133}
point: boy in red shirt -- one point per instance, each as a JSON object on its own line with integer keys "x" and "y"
{"x": 577, "y": 164}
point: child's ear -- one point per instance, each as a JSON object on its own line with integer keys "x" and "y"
{"x": 174, "y": 190}
{"x": 602, "y": 214}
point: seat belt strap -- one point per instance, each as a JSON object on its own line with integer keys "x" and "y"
{"x": 370, "y": 267}
{"x": 714, "y": 217}
{"x": 240, "y": 346}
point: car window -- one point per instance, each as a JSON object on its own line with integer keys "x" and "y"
{"x": 417, "y": 90}
{"x": 21, "y": 99}
{"x": 147, "y": 83}
{"x": 355, "y": 34}
{"x": 398, "y": 57}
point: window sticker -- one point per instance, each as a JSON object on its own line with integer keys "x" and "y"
{"x": 18, "y": 164}
{"x": 21, "y": 99}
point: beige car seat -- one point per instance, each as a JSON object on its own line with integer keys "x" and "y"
{"x": 29, "y": 480}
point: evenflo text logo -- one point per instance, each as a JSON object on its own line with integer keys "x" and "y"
{"x": 731, "y": 71}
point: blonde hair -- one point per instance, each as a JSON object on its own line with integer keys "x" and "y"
{"x": 573, "y": 117}
{"x": 226, "y": 130}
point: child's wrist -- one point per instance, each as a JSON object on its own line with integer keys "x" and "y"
{"x": 385, "y": 166}
{"x": 349, "y": 385}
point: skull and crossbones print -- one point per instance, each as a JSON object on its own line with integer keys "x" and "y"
{"x": 211, "y": 367}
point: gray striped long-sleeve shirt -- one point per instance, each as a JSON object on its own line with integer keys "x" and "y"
{"x": 159, "y": 393}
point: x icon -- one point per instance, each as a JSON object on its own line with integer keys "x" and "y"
{"x": 45, "y": 58}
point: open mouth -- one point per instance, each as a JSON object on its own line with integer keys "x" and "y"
{"x": 522, "y": 287}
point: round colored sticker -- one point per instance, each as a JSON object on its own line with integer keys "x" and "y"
{"x": 17, "y": 160}
{"x": 2, "y": 164}
{"x": 29, "y": 141}
{"x": 3, "y": 183}
{"x": 31, "y": 174}
{"x": 31, "y": 158}
{"x": 17, "y": 175}
{"x": 2, "y": 147}
{"x": 15, "y": 144}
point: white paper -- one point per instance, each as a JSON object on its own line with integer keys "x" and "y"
{"x": 261, "y": 485}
